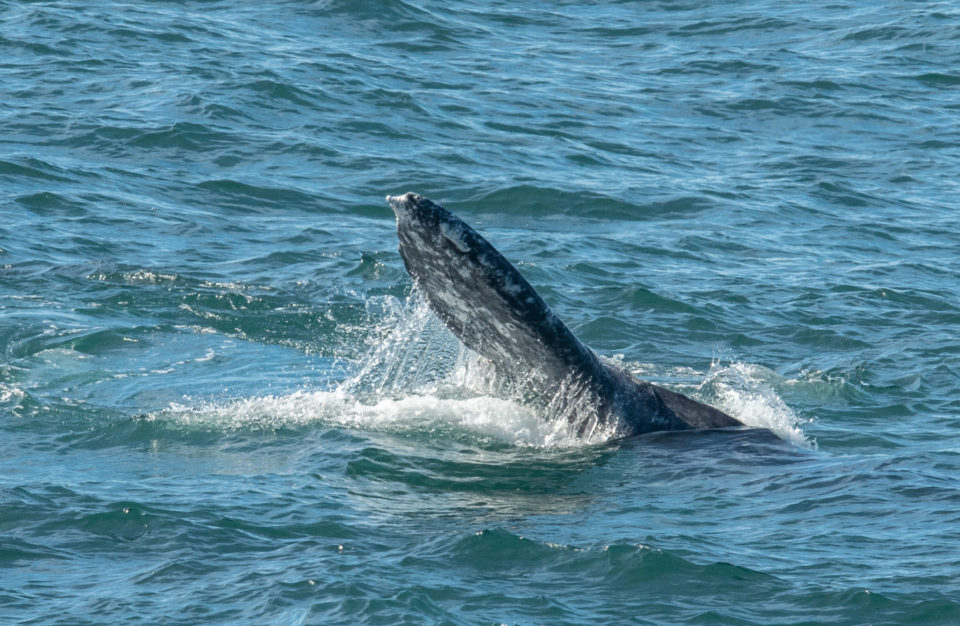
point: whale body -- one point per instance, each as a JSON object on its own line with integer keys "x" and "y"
{"x": 485, "y": 301}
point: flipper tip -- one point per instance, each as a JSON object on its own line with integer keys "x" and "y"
{"x": 402, "y": 202}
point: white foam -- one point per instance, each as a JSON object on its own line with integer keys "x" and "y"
{"x": 494, "y": 417}
{"x": 745, "y": 391}
{"x": 10, "y": 393}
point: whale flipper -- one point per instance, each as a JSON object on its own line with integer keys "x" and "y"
{"x": 493, "y": 310}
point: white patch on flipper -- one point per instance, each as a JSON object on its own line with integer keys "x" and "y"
{"x": 455, "y": 235}
{"x": 512, "y": 287}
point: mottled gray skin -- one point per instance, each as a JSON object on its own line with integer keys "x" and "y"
{"x": 494, "y": 311}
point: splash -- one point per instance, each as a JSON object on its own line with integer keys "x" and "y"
{"x": 415, "y": 376}
{"x": 414, "y": 356}
{"x": 746, "y": 391}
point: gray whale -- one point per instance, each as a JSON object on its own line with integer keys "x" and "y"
{"x": 494, "y": 311}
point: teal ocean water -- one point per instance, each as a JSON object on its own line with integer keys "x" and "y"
{"x": 222, "y": 401}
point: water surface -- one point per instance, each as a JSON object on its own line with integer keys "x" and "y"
{"x": 221, "y": 400}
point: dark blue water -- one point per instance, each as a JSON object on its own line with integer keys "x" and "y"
{"x": 221, "y": 400}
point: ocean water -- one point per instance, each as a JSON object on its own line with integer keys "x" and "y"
{"x": 222, "y": 400}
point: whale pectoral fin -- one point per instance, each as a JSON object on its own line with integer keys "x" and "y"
{"x": 493, "y": 310}
{"x": 484, "y": 300}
